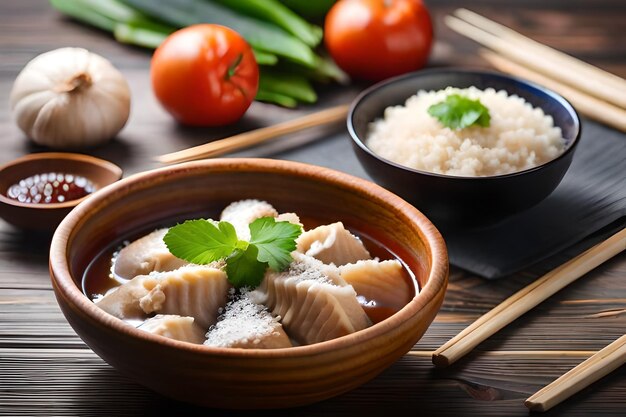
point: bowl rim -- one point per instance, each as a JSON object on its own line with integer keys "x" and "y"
{"x": 374, "y": 89}
{"x": 64, "y": 284}
{"x": 61, "y": 156}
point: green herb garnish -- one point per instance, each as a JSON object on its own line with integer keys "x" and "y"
{"x": 244, "y": 269}
{"x": 458, "y": 112}
{"x": 204, "y": 241}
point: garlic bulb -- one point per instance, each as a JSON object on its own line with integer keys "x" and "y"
{"x": 70, "y": 97}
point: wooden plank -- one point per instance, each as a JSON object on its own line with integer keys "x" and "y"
{"x": 45, "y": 369}
{"x": 77, "y": 382}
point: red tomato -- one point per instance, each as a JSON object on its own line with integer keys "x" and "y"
{"x": 377, "y": 39}
{"x": 205, "y": 75}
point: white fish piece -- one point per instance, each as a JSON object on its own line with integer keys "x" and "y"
{"x": 314, "y": 303}
{"x": 175, "y": 327}
{"x": 382, "y": 281}
{"x": 247, "y": 325}
{"x": 134, "y": 299}
{"x": 198, "y": 291}
{"x": 145, "y": 255}
{"x": 241, "y": 213}
{"x": 289, "y": 217}
{"x": 332, "y": 243}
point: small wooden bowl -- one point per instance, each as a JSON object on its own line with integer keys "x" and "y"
{"x": 240, "y": 378}
{"x": 46, "y": 217}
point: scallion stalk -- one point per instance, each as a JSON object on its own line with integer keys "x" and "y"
{"x": 277, "y": 13}
{"x": 261, "y": 35}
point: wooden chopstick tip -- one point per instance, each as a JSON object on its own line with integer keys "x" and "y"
{"x": 440, "y": 360}
{"x": 535, "y": 406}
{"x": 165, "y": 161}
{"x": 450, "y": 20}
{"x": 160, "y": 160}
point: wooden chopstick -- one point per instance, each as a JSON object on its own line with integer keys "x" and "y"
{"x": 540, "y": 50}
{"x": 530, "y": 58}
{"x": 527, "y": 298}
{"x": 253, "y": 137}
{"x": 591, "y": 107}
{"x": 519, "y": 354}
{"x": 597, "y": 366}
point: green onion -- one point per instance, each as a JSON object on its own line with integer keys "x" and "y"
{"x": 276, "y": 98}
{"x": 290, "y": 85}
{"x": 113, "y": 9}
{"x": 325, "y": 71}
{"x": 275, "y": 12}
{"x": 311, "y": 9}
{"x": 265, "y": 58}
{"x": 138, "y": 35}
{"x": 287, "y": 64}
{"x": 261, "y": 35}
{"x": 79, "y": 10}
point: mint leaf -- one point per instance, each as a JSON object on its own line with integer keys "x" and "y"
{"x": 458, "y": 112}
{"x": 200, "y": 241}
{"x": 275, "y": 241}
{"x": 244, "y": 269}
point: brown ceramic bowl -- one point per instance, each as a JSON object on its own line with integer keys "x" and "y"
{"x": 46, "y": 217}
{"x": 239, "y": 378}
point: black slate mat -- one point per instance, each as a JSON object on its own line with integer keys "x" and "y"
{"x": 591, "y": 197}
{"x": 589, "y": 203}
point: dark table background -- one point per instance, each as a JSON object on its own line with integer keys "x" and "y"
{"x": 45, "y": 369}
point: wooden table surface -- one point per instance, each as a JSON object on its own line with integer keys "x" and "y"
{"x": 45, "y": 369}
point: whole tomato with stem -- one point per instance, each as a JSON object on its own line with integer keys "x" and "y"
{"x": 205, "y": 75}
{"x": 377, "y": 39}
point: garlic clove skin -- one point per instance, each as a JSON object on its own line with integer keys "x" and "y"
{"x": 69, "y": 98}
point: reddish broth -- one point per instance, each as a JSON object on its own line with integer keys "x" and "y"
{"x": 98, "y": 278}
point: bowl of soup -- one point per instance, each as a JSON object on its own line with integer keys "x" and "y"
{"x": 365, "y": 277}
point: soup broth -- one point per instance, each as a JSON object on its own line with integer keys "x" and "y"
{"x": 99, "y": 279}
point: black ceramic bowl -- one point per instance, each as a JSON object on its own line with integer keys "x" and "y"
{"x": 454, "y": 201}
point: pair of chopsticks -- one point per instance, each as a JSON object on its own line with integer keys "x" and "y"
{"x": 600, "y": 96}
{"x": 594, "y": 92}
{"x": 597, "y": 366}
{"x": 253, "y": 137}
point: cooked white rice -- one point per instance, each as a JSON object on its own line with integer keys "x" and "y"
{"x": 519, "y": 136}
